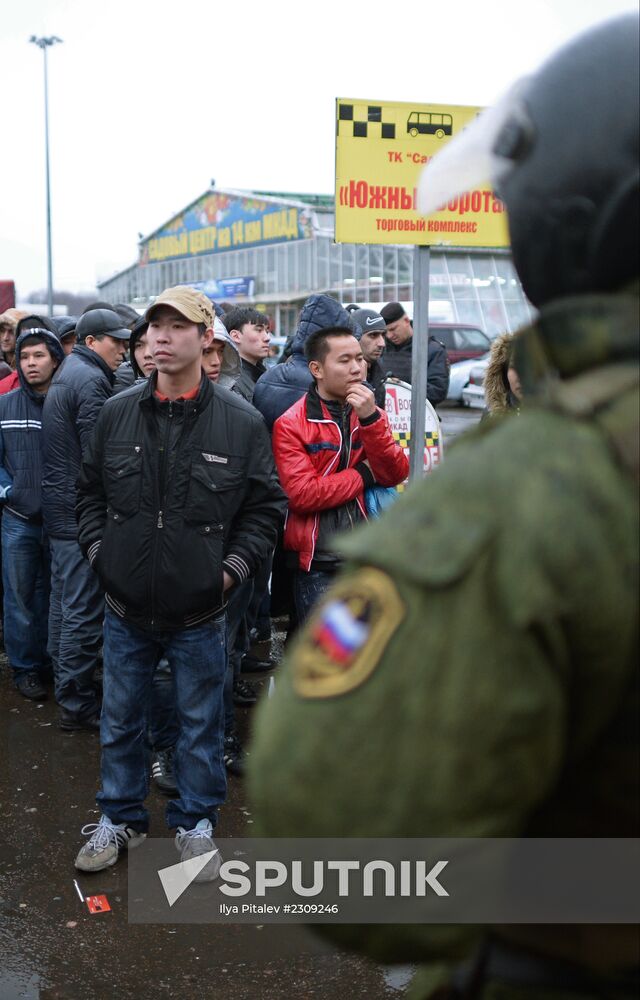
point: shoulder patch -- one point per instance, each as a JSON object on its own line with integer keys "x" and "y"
{"x": 346, "y": 636}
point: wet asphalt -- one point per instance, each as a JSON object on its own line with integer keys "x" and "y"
{"x": 52, "y": 948}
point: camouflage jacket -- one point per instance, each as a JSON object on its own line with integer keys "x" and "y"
{"x": 497, "y": 692}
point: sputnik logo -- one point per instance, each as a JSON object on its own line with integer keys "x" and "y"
{"x": 176, "y": 879}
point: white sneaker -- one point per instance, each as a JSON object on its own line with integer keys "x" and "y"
{"x": 193, "y": 843}
{"x": 105, "y": 844}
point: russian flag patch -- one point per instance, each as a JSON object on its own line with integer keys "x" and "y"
{"x": 347, "y": 634}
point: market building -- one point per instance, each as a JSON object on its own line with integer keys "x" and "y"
{"x": 274, "y": 250}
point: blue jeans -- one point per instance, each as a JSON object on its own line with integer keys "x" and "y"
{"x": 26, "y": 575}
{"x": 259, "y": 611}
{"x": 75, "y": 626}
{"x": 162, "y": 723}
{"x": 309, "y": 588}
{"x": 198, "y": 660}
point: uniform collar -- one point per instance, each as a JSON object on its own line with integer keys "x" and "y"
{"x": 574, "y": 335}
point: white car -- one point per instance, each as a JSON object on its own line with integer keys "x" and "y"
{"x": 276, "y": 344}
{"x": 459, "y": 376}
{"x": 473, "y": 392}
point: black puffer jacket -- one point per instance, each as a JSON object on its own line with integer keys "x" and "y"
{"x": 78, "y": 390}
{"x": 283, "y": 385}
{"x": 376, "y": 375}
{"x": 246, "y": 382}
{"x": 397, "y": 360}
{"x": 170, "y": 495}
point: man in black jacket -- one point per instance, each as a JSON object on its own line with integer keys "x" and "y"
{"x": 249, "y": 330}
{"x": 370, "y": 331}
{"x": 76, "y": 394}
{"x": 178, "y": 502}
{"x": 397, "y": 356}
{"x": 26, "y": 567}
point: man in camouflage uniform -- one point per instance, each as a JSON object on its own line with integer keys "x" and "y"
{"x": 496, "y": 693}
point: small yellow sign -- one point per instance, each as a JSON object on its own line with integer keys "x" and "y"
{"x": 381, "y": 148}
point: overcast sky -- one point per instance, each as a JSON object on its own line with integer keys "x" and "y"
{"x": 151, "y": 99}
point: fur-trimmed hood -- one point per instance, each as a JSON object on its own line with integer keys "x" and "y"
{"x": 231, "y": 368}
{"x": 11, "y": 317}
{"x": 498, "y": 397}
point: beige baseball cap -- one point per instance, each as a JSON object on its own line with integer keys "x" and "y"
{"x": 191, "y": 304}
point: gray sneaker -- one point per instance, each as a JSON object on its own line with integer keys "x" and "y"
{"x": 193, "y": 843}
{"x": 105, "y": 844}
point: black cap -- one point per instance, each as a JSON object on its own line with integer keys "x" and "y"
{"x": 128, "y": 315}
{"x": 392, "y": 312}
{"x": 101, "y": 321}
{"x": 65, "y": 325}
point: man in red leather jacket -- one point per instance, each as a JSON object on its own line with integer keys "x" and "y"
{"x": 329, "y": 447}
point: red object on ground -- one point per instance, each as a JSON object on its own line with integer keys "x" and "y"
{"x": 97, "y": 904}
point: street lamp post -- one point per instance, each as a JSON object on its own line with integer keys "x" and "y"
{"x": 44, "y": 43}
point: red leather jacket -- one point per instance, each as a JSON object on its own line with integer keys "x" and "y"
{"x": 8, "y": 383}
{"x": 307, "y": 445}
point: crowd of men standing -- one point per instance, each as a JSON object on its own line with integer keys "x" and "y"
{"x": 141, "y": 463}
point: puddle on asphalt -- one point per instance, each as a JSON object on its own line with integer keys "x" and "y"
{"x": 19, "y": 986}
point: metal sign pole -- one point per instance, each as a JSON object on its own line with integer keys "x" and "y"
{"x": 46, "y": 146}
{"x": 419, "y": 360}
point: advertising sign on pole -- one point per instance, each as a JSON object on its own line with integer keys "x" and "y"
{"x": 226, "y": 288}
{"x": 381, "y": 149}
{"x": 399, "y": 412}
{"x": 226, "y": 220}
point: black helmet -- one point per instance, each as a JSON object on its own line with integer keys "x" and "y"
{"x": 561, "y": 149}
{"x": 572, "y": 192}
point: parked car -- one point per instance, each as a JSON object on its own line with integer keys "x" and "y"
{"x": 276, "y": 346}
{"x": 459, "y": 377}
{"x": 461, "y": 341}
{"x": 473, "y": 393}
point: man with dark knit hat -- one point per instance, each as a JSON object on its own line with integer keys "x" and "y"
{"x": 397, "y": 356}
{"x": 370, "y": 331}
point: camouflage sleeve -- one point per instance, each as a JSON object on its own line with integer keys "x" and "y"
{"x": 441, "y": 707}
